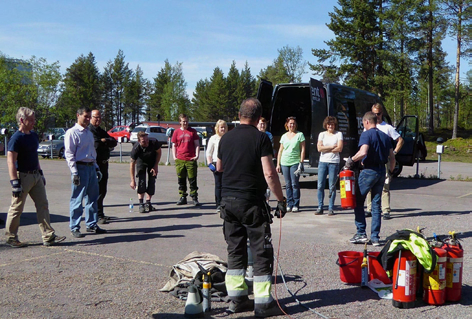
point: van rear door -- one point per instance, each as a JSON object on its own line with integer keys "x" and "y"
{"x": 264, "y": 95}
{"x": 319, "y": 111}
{"x": 408, "y": 128}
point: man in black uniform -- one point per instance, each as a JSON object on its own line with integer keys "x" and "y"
{"x": 147, "y": 154}
{"x": 103, "y": 143}
{"x": 245, "y": 158}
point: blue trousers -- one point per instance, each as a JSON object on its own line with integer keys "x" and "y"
{"x": 86, "y": 191}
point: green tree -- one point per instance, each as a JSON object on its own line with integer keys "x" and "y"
{"x": 135, "y": 96}
{"x": 288, "y": 67}
{"x": 120, "y": 76}
{"x": 81, "y": 88}
{"x": 458, "y": 13}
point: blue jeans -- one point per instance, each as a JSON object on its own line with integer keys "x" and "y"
{"x": 87, "y": 190}
{"x": 292, "y": 186}
{"x": 324, "y": 169}
{"x": 369, "y": 179}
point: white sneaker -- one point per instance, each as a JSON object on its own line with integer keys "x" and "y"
{"x": 295, "y": 209}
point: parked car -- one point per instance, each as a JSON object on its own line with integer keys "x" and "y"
{"x": 120, "y": 131}
{"x": 156, "y": 132}
{"x": 44, "y": 148}
{"x": 56, "y": 131}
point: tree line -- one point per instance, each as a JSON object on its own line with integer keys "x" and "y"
{"x": 392, "y": 48}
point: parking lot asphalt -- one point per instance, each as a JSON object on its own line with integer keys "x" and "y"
{"x": 119, "y": 274}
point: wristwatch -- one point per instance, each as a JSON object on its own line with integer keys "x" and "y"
{"x": 394, "y": 152}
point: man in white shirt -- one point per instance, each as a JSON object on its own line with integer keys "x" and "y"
{"x": 378, "y": 110}
{"x": 81, "y": 158}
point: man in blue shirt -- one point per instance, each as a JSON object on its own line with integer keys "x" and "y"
{"x": 26, "y": 177}
{"x": 81, "y": 158}
{"x": 375, "y": 151}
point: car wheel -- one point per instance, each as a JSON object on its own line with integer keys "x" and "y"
{"x": 397, "y": 170}
{"x": 61, "y": 153}
{"x": 44, "y": 156}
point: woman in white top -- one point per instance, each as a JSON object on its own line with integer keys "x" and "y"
{"x": 330, "y": 144}
{"x": 212, "y": 154}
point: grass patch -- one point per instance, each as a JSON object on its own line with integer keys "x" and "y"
{"x": 455, "y": 150}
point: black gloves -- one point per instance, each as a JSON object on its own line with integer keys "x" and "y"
{"x": 99, "y": 175}
{"x": 301, "y": 167}
{"x": 281, "y": 209}
{"x": 349, "y": 163}
{"x": 16, "y": 188}
{"x": 76, "y": 180}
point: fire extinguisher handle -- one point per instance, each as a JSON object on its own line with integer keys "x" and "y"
{"x": 398, "y": 268}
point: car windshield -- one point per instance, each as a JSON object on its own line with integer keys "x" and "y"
{"x": 139, "y": 129}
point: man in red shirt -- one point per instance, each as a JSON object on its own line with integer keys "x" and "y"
{"x": 186, "y": 150}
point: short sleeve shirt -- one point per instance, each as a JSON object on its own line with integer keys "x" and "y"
{"x": 145, "y": 157}
{"x": 379, "y": 147}
{"x": 26, "y": 145}
{"x": 240, "y": 151}
{"x": 291, "y": 154}
{"x": 184, "y": 143}
{"x": 330, "y": 140}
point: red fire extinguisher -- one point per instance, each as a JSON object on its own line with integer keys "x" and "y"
{"x": 404, "y": 280}
{"x": 434, "y": 284}
{"x": 454, "y": 267}
{"x": 347, "y": 187}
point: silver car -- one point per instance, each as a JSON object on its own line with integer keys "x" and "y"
{"x": 44, "y": 148}
{"x": 156, "y": 132}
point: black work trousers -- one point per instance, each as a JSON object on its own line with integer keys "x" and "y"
{"x": 244, "y": 220}
{"x": 102, "y": 188}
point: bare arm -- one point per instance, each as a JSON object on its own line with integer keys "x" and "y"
{"x": 324, "y": 149}
{"x": 361, "y": 153}
{"x": 339, "y": 147}
{"x": 279, "y": 156}
{"x": 197, "y": 150}
{"x": 392, "y": 160}
{"x": 132, "y": 172}
{"x": 155, "y": 169}
{"x": 219, "y": 165}
{"x": 271, "y": 177}
{"x": 302, "y": 153}
{"x": 173, "y": 151}
{"x": 400, "y": 142}
{"x": 11, "y": 160}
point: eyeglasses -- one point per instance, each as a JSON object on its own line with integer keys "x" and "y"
{"x": 378, "y": 114}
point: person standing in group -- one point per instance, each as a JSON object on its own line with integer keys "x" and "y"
{"x": 103, "y": 143}
{"x": 375, "y": 151}
{"x": 212, "y": 155}
{"x": 186, "y": 151}
{"x": 245, "y": 158}
{"x": 145, "y": 154}
{"x": 330, "y": 144}
{"x": 26, "y": 177}
{"x": 262, "y": 126}
{"x": 383, "y": 126}
{"x": 81, "y": 158}
{"x": 290, "y": 159}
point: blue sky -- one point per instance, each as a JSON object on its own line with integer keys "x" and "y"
{"x": 200, "y": 34}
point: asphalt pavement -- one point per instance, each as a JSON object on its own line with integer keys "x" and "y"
{"x": 119, "y": 274}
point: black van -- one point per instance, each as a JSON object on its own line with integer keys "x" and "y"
{"x": 311, "y": 102}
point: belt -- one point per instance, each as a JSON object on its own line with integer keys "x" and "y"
{"x": 85, "y": 163}
{"x": 36, "y": 171}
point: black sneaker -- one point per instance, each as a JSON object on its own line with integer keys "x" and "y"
{"x": 387, "y": 216}
{"x": 182, "y": 201}
{"x": 331, "y": 213}
{"x": 319, "y": 211}
{"x": 102, "y": 220}
{"x": 76, "y": 233}
{"x": 359, "y": 239}
{"x": 368, "y": 214}
{"x": 95, "y": 229}
{"x": 270, "y": 310}
{"x": 15, "y": 243}
{"x": 149, "y": 208}
{"x": 243, "y": 306}
{"x": 54, "y": 240}
{"x": 142, "y": 209}
{"x": 195, "y": 201}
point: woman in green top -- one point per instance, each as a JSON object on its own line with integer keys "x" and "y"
{"x": 291, "y": 154}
